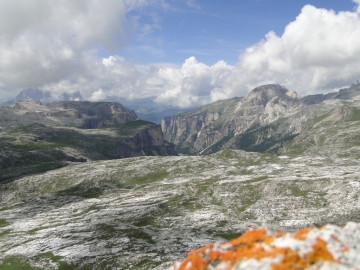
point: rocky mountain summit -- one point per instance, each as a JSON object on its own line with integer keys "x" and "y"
{"x": 269, "y": 117}
{"x": 36, "y": 137}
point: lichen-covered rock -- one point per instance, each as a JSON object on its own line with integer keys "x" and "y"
{"x": 329, "y": 247}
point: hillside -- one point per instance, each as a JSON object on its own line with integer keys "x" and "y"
{"x": 36, "y": 138}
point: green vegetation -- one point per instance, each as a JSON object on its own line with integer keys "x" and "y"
{"x": 3, "y": 223}
{"x": 148, "y": 178}
{"x": 38, "y": 148}
{"x": 16, "y": 263}
{"x": 355, "y": 115}
{"x": 81, "y": 191}
{"x": 218, "y": 145}
{"x": 262, "y": 139}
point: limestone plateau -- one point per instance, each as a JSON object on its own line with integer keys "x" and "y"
{"x": 35, "y": 137}
{"x": 266, "y": 120}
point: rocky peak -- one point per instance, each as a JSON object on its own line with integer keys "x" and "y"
{"x": 261, "y": 95}
{"x": 44, "y": 96}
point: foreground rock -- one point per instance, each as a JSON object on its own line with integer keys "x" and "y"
{"x": 330, "y": 247}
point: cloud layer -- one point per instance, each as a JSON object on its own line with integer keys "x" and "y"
{"x": 52, "y": 45}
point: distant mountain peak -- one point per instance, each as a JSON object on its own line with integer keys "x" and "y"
{"x": 271, "y": 90}
{"x": 29, "y": 94}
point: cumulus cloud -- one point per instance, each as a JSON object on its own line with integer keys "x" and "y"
{"x": 194, "y": 83}
{"x": 97, "y": 95}
{"x": 51, "y": 45}
{"x": 318, "y": 52}
{"x": 44, "y": 42}
{"x": 358, "y": 3}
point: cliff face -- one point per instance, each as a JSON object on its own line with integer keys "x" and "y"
{"x": 148, "y": 141}
{"x": 263, "y": 121}
{"x": 196, "y": 131}
{"x": 36, "y": 137}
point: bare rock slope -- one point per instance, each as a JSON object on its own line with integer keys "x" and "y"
{"x": 269, "y": 117}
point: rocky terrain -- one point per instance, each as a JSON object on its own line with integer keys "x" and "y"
{"x": 36, "y": 137}
{"x": 147, "y": 212}
{"x": 265, "y": 120}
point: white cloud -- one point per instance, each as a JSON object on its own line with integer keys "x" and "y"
{"x": 97, "y": 95}
{"x": 43, "y": 42}
{"x": 320, "y": 50}
{"x": 358, "y": 3}
{"x": 193, "y": 83}
{"x": 50, "y": 45}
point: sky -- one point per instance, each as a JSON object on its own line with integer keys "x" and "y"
{"x": 186, "y": 53}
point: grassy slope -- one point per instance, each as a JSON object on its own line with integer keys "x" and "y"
{"x": 37, "y": 148}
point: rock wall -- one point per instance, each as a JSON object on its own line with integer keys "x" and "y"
{"x": 200, "y": 129}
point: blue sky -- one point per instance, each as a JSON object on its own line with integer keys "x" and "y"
{"x": 212, "y": 30}
{"x": 184, "y": 52}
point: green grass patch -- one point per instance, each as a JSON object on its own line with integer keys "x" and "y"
{"x": 5, "y": 232}
{"x": 149, "y": 178}
{"x": 62, "y": 265}
{"x": 138, "y": 233}
{"x": 355, "y": 115}
{"x": 3, "y": 223}
{"x": 297, "y": 191}
{"x": 16, "y": 263}
{"x": 81, "y": 191}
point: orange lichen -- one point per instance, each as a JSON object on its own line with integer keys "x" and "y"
{"x": 251, "y": 245}
{"x": 301, "y": 235}
{"x": 292, "y": 260}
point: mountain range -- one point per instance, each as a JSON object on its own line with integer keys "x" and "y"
{"x": 146, "y": 108}
{"x": 266, "y": 120}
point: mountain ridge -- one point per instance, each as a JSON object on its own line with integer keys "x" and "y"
{"x": 264, "y": 120}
